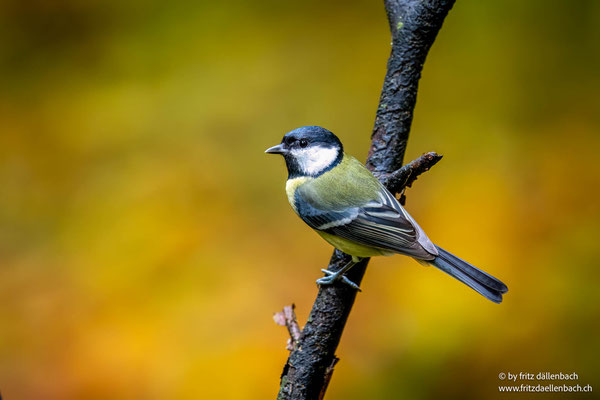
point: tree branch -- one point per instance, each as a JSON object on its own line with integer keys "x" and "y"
{"x": 398, "y": 180}
{"x": 414, "y": 25}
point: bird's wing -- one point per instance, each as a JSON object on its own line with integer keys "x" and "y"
{"x": 380, "y": 223}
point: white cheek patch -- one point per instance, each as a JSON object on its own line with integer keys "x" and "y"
{"x": 313, "y": 160}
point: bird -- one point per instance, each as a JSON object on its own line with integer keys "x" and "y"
{"x": 339, "y": 198}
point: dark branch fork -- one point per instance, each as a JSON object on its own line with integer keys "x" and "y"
{"x": 414, "y": 25}
{"x": 400, "y": 179}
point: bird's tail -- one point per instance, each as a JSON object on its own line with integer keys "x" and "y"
{"x": 483, "y": 283}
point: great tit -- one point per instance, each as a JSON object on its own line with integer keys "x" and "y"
{"x": 343, "y": 202}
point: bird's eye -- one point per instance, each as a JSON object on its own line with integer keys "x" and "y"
{"x": 303, "y": 142}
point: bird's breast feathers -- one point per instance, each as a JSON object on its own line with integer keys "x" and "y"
{"x": 290, "y": 188}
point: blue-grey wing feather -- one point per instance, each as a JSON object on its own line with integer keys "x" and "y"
{"x": 380, "y": 223}
{"x": 323, "y": 219}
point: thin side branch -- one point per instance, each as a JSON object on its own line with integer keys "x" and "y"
{"x": 398, "y": 180}
{"x": 287, "y": 318}
{"x": 328, "y": 374}
{"x": 414, "y": 25}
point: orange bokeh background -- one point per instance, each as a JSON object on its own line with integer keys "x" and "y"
{"x": 146, "y": 240}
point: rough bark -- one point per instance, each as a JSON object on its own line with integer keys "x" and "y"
{"x": 414, "y": 25}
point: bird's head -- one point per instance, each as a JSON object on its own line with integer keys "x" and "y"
{"x": 309, "y": 151}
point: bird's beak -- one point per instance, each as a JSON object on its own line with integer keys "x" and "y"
{"x": 276, "y": 150}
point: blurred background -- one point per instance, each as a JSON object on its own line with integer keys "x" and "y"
{"x": 146, "y": 240}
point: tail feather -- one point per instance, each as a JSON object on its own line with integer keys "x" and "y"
{"x": 476, "y": 279}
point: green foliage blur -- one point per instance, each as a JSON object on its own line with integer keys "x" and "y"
{"x": 146, "y": 240}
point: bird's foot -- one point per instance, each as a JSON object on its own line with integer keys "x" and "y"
{"x": 332, "y": 277}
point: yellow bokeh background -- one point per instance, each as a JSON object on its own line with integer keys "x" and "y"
{"x": 146, "y": 240}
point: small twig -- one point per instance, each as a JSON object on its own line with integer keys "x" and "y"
{"x": 328, "y": 374}
{"x": 287, "y": 318}
{"x": 405, "y": 176}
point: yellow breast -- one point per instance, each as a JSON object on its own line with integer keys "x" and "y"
{"x": 290, "y": 188}
{"x": 353, "y": 248}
